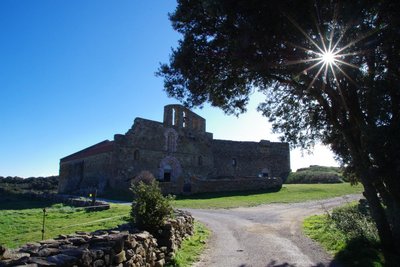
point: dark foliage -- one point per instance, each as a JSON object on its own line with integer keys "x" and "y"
{"x": 17, "y": 185}
{"x": 356, "y": 222}
{"x": 230, "y": 48}
{"x": 362, "y": 241}
{"x": 150, "y": 208}
{"x": 315, "y": 175}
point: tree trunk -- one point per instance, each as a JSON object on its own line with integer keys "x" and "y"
{"x": 387, "y": 230}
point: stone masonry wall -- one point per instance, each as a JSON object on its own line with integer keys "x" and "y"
{"x": 236, "y": 184}
{"x": 83, "y": 175}
{"x": 197, "y": 185}
{"x": 238, "y": 159}
{"x": 150, "y": 146}
{"x": 174, "y": 151}
{"x": 105, "y": 248}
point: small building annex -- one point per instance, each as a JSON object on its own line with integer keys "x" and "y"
{"x": 180, "y": 154}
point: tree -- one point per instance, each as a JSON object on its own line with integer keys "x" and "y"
{"x": 329, "y": 70}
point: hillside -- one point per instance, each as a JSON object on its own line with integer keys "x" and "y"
{"x": 316, "y": 175}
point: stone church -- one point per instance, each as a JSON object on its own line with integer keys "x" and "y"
{"x": 182, "y": 156}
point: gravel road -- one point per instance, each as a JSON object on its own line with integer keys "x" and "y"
{"x": 266, "y": 236}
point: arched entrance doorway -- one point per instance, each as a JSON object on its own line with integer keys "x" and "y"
{"x": 167, "y": 173}
{"x": 170, "y": 169}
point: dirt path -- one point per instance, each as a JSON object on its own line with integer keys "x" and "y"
{"x": 266, "y": 235}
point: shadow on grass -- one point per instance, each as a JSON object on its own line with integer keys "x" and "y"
{"x": 10, "y": 201}
{"x": 360, "y": 253}
{"x": 225, "y": 194}
{"x": 117, "y": 195}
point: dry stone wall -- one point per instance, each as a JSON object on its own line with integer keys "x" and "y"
{"x": 271, "y": 184}
{"x": 123, "y": 247}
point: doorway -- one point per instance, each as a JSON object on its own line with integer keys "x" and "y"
{"x": 167, "y": 176}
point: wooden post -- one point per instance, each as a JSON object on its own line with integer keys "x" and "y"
{"x": 44, "y": 216}
{"x": 94, "y": 197}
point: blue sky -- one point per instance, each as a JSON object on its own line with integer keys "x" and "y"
{"x": 74, "y": 73}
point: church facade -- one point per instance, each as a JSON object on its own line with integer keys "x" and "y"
{"x": 180, "y": 154}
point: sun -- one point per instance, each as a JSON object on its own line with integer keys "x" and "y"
{"x": 328, "y": 57}
{"x": 325, "y": 54}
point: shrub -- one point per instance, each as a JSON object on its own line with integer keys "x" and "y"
{"x": 349, "y": 233}
{"x": 356, "y": 222}
{"x": 150, "y": 208}
{"x": 144, "y": 176}
{"x": 315, "y": 175}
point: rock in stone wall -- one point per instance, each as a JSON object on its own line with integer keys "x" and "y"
{"x": 105, "y": 248}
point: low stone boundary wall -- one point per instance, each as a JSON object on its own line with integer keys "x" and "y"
{"x": 123, "y": 247}
{"x": 69, "y": 200}
{"x": 82, "y": 202}
{"x": 235, "y": 184}
{"x": 196, "y": 185}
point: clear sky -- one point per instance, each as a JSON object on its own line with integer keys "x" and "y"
{"x": 74, "y": 73}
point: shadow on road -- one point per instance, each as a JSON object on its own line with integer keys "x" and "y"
{"x": 274, "y": 263}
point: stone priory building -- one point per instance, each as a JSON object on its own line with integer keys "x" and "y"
{"x": 182, "y": 156}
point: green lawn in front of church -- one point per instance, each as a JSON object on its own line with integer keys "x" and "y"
{"x": 290, "y": 193}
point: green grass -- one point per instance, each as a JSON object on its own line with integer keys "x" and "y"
{"x": 18, "y": 227}
{"x": 192, "y": 248}
{"x": 21, "y": 221}
{"x": 354, "y": 252}
{"x": 318, "y": 227}
{"x": 288, "y": 194}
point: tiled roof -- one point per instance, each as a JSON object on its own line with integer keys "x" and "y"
{"x": 102, "y": 147}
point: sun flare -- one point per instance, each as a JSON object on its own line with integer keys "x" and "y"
{"x": 328, "y": 57}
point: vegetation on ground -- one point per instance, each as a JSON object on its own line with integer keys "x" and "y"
{"x": 150, "y": 209}
{"x": 288, "y": 194}
{"x": 17, "y": 185}
{"x": 19, "y": 226}
{"x": 192, "y": 248}
{"x": 316, "y": 175}
{"x": 328, "y": 70}
{"x": 21, "y": 220}
{"x": 349, "y": 233}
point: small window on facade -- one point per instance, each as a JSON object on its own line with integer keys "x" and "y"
{"x": 234, "y": 162}
{"x": 173, "y": 117}
{"x": 136, "y": 154}
{"x": 184, "y": 119}
{"x": 200, "y": 161}
{"x": 265, "y": 173}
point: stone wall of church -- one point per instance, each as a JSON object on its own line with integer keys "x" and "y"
{"x": 171, "y": 153}
{"x": 254, "y": 159}
{"x": 270, "y": 184}
{"x": 81, "y": 176}
{"x": 174, "y": 151}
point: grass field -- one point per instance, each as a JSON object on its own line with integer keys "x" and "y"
{"x": 348, "y": 249}
{"x": 20, "y": 226}
{"x": 288, "y": 194}
{"x": 21, "y": 220}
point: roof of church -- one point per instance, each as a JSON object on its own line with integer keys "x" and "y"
{"x": 102, "y": 147}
